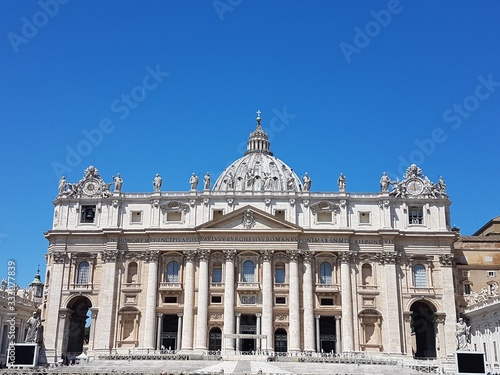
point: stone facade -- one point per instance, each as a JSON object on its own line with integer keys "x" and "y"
{"x": 478, "y": 296}
{"x": 258, "y": 262}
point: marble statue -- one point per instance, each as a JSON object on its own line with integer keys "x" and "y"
{"x": 157, "y": 183}
{"x": 193, "y": 181}
{"x": 34, "y": 325}
{"x": 307, "y": 182}
{"x": 206, "y": 181}
{"x": 118, "y": 183}
{"x": 494, "y": 289}
{"x": 385, "y": 181}
{"x": 462, "y": 334}
{"x": 62, "y": 185}
{"x": 341, "y": 182}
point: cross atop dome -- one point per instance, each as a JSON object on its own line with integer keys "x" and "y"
{"x": 258, "y": 116}
{"x": 258, "y": 141}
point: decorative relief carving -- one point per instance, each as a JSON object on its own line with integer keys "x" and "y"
{"x": 174, "y": 206}
{"x": 230, "y": 201}
{"x": 282, "y": 317}
{"x": 267, "y": 201}
{"x": 248, "y": 219}
{"x": 384, "y": 203}
{"x": 291, "y": 201}
{"x": 267, "y": 255}
{"x": 324, "y": 206}
{"x": 216, "y": 316}
{"x": 91, "y": 185}
{"x": 155, "y": 203}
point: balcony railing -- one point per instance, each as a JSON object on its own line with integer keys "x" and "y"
{"x": 217, "y": 285}
{"x": 327, "y": 288}
{"x": 280, "y": 286}
{"x": 248, "y": 286}
{"x": 414, "y": 290}
{"x": 131, "y": 286}
{"x": 368, "y": 289}
{"x": 170, "y": 286}
{"x": 81, "y": 287}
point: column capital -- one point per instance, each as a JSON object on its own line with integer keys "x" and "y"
{"x": 267, "y": 255}
{"x": 258, "y": 315}
{"x": 229, "y": 254}
{"x": 189, "y": 255}
{"x": 344, "y": 256}
{"x": 237, "y": 315}
{"x": 151, "y": 256}
{"x": 203, "y": 254}
{"x": 446, "y": 260}
{"x": 94, "y": 311}
{"x": 317, "y": 317}
{"x": 110, "y": 256}
{"x": 387, "y": 257}
{"x": 293, "y": 255}
{"x": 180, "y": 315}
{"x": 307, "y": 256}
{"x": 159, "y": 315}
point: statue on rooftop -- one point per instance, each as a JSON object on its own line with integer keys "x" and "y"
{"x": 193, "y": 181}
{"x": 157, "y": 183}
{"x": 118, "y": 183}
{"x": 307, "y": 182}
{"x": 385, "y": 181}
{"x": 341, "y": 182}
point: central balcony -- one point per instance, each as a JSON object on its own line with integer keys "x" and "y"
{"x": 327, "y": 288}
{"x": 248, "y": 286}
{"x": 170, "y": 286}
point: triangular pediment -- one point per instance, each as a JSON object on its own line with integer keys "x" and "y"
{"x": 249, "y": 218}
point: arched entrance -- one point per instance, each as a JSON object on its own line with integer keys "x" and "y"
{"x": 77, "y": 334}
{"x": 423, "y": 330}
{"x": 280, "y": 341}
{"x": 215, "y": 339}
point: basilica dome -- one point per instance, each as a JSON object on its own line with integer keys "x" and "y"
{"x": 258, "y": 170}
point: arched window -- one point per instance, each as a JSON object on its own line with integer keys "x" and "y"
{"x": 83, "y": 273}
{"x": 248, "y": 271}
{"x": 419, "y": 276}
{"x": 173, "y": 272}
{"x": 132, "y": 273}
{"x": 366, "y": 274}
{"x": 279, "y": 274}
{"x": 325, "y": 273}
{"x": 217, "y": 273}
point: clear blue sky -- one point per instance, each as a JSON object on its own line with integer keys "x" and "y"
{"x": 359, "y": 87}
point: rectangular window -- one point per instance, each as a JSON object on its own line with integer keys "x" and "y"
{"x": 217, "y": 214}
{"x": 280, "y": 300}
{"x": 87, "y": 214}
{"x": 170, "y": 299}
{"x": 174, "y": 216}
{"x": 324, "y": 217}
{"x": 467, "y": 289}
{"x": 136, "y": 217}
{"x": 327, "y": 301}
{"x": 280, "y": 214}
{"x": 216, "y": 299}
{"x": 364, "y": 218}
{"x": 495, "y": 352}
{"x": 491, "y": 273}
{"x": 217, "y": 274}
{"x": 415, "y": 215}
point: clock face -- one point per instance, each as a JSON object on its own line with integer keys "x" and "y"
{"x": 90, "y": 187}
{"x": 414, "y": 186}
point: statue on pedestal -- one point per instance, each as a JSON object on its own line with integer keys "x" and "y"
{"x": 34, "y": 328}
{"x": 193, "y": 181}
{"x": 462, "y": 334}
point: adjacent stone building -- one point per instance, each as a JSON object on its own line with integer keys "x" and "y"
{"x": 257, "y": 261}
{"x": 478, "y": 295}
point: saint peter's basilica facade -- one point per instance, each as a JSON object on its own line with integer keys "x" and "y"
{"x": 255, "y": 262}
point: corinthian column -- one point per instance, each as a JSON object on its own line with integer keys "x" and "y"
{"x": 202, "y": 317}
{"x": 307, "y": 294}
{"x": 294, "y": 303}
{"x": 346, "y": 296}
{"x": 187, "y": 327}
{"x": 267, "y": 298}
{"x": 152, "y": 290}
{"x": 229, "y": 300}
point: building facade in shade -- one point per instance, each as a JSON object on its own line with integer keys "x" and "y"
{"x": 256, "y": 261}
{"x": 478, "y": 293}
